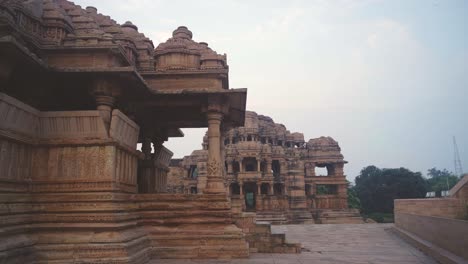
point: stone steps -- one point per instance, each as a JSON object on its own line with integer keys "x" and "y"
{"x": 275, "y": 218}
{"x": 195, "y": 226}
{"x": 341, "y": 216}
{"x": 198, "y": 241}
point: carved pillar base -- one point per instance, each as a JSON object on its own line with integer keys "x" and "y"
{"x": 215, "y": 182}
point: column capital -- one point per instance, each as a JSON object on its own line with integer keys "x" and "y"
{"x": 213, "y": 115}
{"x": 105, "y": 87}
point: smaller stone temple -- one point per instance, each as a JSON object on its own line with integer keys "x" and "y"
{"x": 272, "y": 172}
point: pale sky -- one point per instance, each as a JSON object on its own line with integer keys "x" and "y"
{"x": 387, "y": 79}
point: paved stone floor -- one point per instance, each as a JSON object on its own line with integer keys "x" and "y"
{"x": 367, "y": 243}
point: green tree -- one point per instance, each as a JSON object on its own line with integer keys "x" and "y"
{"x": 440, "y": 180}
{"x": 353, "y": 199}
{"x": 377, "y": 188}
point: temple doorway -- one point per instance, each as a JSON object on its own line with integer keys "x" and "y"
{"x": 250, "y": 194}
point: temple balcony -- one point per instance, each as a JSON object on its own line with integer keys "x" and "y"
{"x": 249, "y": 175}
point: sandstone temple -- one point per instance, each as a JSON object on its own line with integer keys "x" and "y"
{"x": 78, "y": 92}
{"x": 272, "y": 172}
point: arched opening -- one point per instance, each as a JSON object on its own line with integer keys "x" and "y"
{"x": 235, "y": 167}
{"x": 308, "y": 189}
{"x": 235, "y": 188}
{"x": 276, "y": 167}
{"x": 265, "y": 188}
{"x": 193, "y": 190}
{"x": 278, "y": 189}
{"x": 263, "y": 167}
{"x": 193, "y": 172}
{"x": 327, "y": 189}
{"x": 250, "y": 195}
{"x": 250, "y": 164}
{"x": 249, "y": 138}
{"x": 321, "y": 170}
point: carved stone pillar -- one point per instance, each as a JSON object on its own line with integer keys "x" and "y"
{"x": 241, "y": 165}
{"x": 241, "y": 186}
{"x": 258, "y": 165}
{"x": 271, "y": 189}
{"x": 105, "y": 93}
{"x": 104, "y": 106}
{"x": 214, "y": 182}
{"x": 268, "y": 166}
{"x": 259, "y": 188}
{"x": 146, "y": 147}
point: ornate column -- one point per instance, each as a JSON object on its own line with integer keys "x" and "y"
{"x": 268, "y": 166}
{"x": 160, "y": 173}
{"x": 146, "y": 147}
{"x": 271, "y": 188}
{"x": 258, "y": 164}
{"x": 214, "y": 182}
{"x": 241, "y": 164}
{"x": 105, "y": 93}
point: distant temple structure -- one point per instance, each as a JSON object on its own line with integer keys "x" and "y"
{"x": 78, "y": 91}
{"x": 272, "y": 172}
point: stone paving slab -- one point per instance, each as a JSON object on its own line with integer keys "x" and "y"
{"x": 340, "y": 243}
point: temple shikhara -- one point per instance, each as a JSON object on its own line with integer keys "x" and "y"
{"x": 78, "y": 92}
{"x": 272, "y": 172}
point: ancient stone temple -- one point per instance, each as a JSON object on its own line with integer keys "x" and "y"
{"x": 272, "y": 172}
{"x": 78, "y": 91}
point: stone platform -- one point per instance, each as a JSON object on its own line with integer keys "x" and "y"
{"x": 329, "y": 243}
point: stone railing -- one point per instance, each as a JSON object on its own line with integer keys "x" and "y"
{"x": 18, "y": 119}
{"x": 330, "y": 202}
{"x": 124, "y": 130}
{"x": 164, "y": 157}
{"x": 249, "y": 175}
{"x": 73, "y": 125}
{"x": 24, "y": 122}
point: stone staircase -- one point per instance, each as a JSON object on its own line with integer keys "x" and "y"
{"x": 300, "y": 217}
{"x": 338, "y": 216}
{"x": 272, "y": 217}
{"x": 260, "y": 237}
{"x": 191, "y": 226}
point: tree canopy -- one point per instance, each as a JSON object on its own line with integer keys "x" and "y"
{"x": 377, "y": 188}
{"x": 440, "y": 180}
